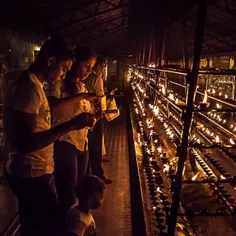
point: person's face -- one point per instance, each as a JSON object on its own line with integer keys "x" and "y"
{"x": 58, "y": 70}
{"x": 84, "y": 68}
{"x": 97, "y": 200}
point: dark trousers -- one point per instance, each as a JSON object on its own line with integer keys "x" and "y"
{"x": 95, "y": 149}
{"x": 37, "y": 201}
{"x": 70, "y": 165}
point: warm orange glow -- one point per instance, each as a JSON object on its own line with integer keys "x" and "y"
{"x": 222, "y": 177}
{"x": 195, "y": 176}
{"x": 166, "y": 168}
{"x": 232, "y": 141}
{"x": 205, "y": 97}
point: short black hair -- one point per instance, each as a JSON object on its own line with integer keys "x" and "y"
{"x": 83, "y": 53}
{"x": 89, "y": 185}
{"x": 55, "y": 47}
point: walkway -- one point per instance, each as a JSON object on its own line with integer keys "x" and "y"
{"x": 114, "y": 217}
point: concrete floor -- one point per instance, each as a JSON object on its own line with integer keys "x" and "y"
{"x": 114, "y": 217}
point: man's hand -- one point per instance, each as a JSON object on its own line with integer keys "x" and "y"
{"x": 82, "y": 120}
{"x": 91, "y": 97}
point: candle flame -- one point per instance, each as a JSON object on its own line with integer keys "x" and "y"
{"x": 159, "y": 149}
{"x": 205, "y": 97}
{"x": 217, "y": 139}
{"x": 171, "y": 96}
{"x": 156, "y": 111}
{"x": 159, "y": 190}
{"x": 222, "y": 177}
{"x": 195, "y": 176}
{"x": 218, "y": 106}
{"x": 166, "y": 168}
{"x": 163, "y": 90}
{"x": 232, "y": 141}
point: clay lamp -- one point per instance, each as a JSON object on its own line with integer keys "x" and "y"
{"x": 217, "y": 141}
{"x": 204, "y": 104}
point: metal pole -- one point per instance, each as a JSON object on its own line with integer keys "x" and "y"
{"x": 150, "y": 48}
{"x": 192, "y": 80}
{"x": 144, "y": 51}
{"x": 185, "y": 53}
{"x": 161, "y": 50}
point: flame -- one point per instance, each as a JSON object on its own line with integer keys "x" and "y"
{"x": 232, "y": 141}
{"x": 218, "y": 106}
{"x": 152, "y": 65}
{"x": 163, "y": 90}
{"x": 166, "y": 168}
{"x": 222, "y": 177}
{"x": 159, "y": 190}
{"x": 205, "y": 97}
{"x": 156, "y": 111}
{"x": 171, "y": 96}
{"x": 217, "y": 139}
{"x": 159, "y": 149}
{"x": 195, "y": 176}
{"x": 177, "y": 101}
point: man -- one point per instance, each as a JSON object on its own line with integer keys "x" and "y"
{"x": 29, "y": 138}
{"x": 94, "y": 84}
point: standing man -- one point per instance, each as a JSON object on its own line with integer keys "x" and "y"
{"x": 30, "y": 138}
{"x": 94, "y": 84}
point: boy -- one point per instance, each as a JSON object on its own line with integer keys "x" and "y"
{"x": 89, "y": 191}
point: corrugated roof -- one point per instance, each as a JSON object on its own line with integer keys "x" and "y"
{"x": 220, "y": 28}
{"x": 101, "y": 23}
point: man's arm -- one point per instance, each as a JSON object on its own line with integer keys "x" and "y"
{"x": 58, "y": 104}
{"x": 28, "y": 100}
{"x": 29, "y": 141}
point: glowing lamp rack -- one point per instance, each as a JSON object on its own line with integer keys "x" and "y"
{"x": 156, "y": 108}
{"x": 157, "y": 169}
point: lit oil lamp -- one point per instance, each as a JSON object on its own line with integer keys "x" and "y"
{"x": 204, "y": 104}
{"x": 180, "y": 103}
{"x": 232, "y": 141}
{"x": 217, "y": 141}
{"x": 195, "y": 176}
{"x": 156, "y": 111}
{"x": 218, "y": 106}
{"x": 222, "y": 177}
{"x": 171, "y": 96}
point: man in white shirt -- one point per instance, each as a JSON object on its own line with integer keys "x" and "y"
{"x": 30, "y": 138}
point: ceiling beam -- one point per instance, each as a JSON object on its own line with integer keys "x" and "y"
{"x": 106, "y": 33}
{"x": 110, "y": 3}
{"x": 63, "y": 11}
{"x": 82, "y": 20}
{"x": 96, "y": 25}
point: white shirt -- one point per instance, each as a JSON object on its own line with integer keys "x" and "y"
{"x": 27, "y": 95}
{"x": 94, "y": 84}
{"x": 78, "y": 138}
{"x": 80, "y": 223}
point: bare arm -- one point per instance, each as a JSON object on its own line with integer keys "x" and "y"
{"x": 60, "y": 104}
{"x": 28, "y": 140}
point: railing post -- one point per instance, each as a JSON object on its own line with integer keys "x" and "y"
{"x": 192, "y": 79}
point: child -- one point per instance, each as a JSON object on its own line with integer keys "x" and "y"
{"x": 89, "y": 191}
